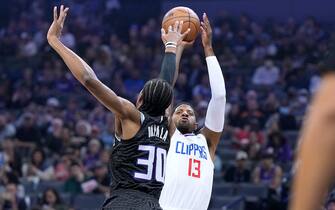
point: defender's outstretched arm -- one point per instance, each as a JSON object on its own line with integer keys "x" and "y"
{"x": 84, "y": 73}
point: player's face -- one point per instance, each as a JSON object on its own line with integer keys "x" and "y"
{"x": 184, "y": 118}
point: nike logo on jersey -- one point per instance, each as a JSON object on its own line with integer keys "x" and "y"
{"x": 191, "y": 149}
{"x": 157, "y": 131}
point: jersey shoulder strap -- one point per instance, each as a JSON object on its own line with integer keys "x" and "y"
{"x": 142, "y": 118}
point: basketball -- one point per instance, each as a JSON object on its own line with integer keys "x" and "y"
{"x": 190, "y": 18}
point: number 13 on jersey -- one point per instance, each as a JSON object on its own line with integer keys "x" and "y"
{"x": 194, "y": 168}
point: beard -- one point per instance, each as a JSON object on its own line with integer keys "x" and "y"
{"x": 184, "y": 128}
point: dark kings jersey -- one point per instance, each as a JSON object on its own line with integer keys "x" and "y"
{"x": 139, "y": 163}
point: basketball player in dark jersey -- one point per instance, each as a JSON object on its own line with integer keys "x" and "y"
{"x": 315, "y": 172}
{"x": 138, "y": 157}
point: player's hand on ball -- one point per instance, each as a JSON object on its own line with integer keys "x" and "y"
{"x": 206, "y": 32}
{"x": 185, "y": 44}
{"x": 56, "y": 27}
{"x": 173, "y": 36}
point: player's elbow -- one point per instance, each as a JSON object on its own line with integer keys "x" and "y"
{"x": 89, "y": 81}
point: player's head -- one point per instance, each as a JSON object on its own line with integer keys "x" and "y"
{"x": 155, "y": 97}
{"x": 184, "y": 118}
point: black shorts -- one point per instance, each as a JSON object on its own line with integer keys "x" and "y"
{"x": 130, "y": 200}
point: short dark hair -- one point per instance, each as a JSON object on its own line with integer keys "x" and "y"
{"x": 188, "y": 104}
{"x": 197, "y": 130}
{"x": 157, "y": 96}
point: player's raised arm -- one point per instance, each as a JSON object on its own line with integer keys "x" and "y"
{"x": 214, "y": 121}
{"x": 173, "y": 51}
{"x": 84, "y": 73}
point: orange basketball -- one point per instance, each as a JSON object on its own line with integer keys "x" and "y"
{"x": 190, "y": 18}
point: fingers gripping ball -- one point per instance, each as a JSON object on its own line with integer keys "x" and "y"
{"x": 190, "y": 18}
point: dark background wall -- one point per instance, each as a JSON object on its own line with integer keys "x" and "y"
{"x": 324, "y": 10}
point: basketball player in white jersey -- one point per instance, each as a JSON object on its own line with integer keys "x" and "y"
{"x": 190, "y": 168}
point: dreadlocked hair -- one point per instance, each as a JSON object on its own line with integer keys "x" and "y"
{"x": 157, "y": 96}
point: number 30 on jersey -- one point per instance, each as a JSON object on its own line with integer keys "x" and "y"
{"x": 156, "y": 161}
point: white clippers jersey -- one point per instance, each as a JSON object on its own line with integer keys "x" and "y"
{"x": 189, "y": 174}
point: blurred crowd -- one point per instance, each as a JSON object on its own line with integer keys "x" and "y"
{"x": 52, "y": 129}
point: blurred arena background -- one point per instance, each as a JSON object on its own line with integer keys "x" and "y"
{"x": 55, "y": 138}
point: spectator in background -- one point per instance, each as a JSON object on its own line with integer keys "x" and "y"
{"x": 263, "y": 48}
{"x": 98, "y": 116}
{"x": 282, "y": 150}
{"x": 234, "y": 116}
{"x": 68, "y": 38}
{"x": 299, "y": 105}
{"x": 197, "y": 71}
{"x": 62, "y": 168}
{"x": 93, "y": 153}
{"x": 267, "y": 74}
{"x": 286, "y": 119}
{"x": 70, "y": 111}
{"x": 77, "y": 177}
{"x": 250, "y": 139}
{"x": 12, "y": 159}
{"x": 66, "y": 137}
{"x": 107, "y": 135}
{"x": 268, "y": 172}
{"x": 134, "y": 84}
{"x": 271, "y": 105}
{"x": 252, "y": 112}
{"x": 83, "y": 132}
{"x": 9, "y": 199}
{"x": 54, "y": 140}
{"x": 38, "y": 167}
{"x": 217, "y": 164}
{"x": 28, "y": 135}
{"x": 5, "y": 84}
{"x": 228, "y": 59}
{"x": 202, "y": 91}
{"x": 103, "y": 65}
{"x": 238, "y": 172}
{"x": 21, "y": 97}
{"x": 201, "y": 110}
{"x": 52, "y": 201}
{"x": 104, "y": 156}
{"x": 7, "y": 129}
{"x": 28, "y": 47}
{"x": 100, "y": 175}
{"x": 181, "y": 89}
{"x": 95, "y": 132}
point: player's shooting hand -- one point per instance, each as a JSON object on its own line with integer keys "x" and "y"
{"x": 174, "y": 35}
{"x": 206, "y": 32}
{"x": 56, "y": 27}
{"x": 185, "y": 44}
